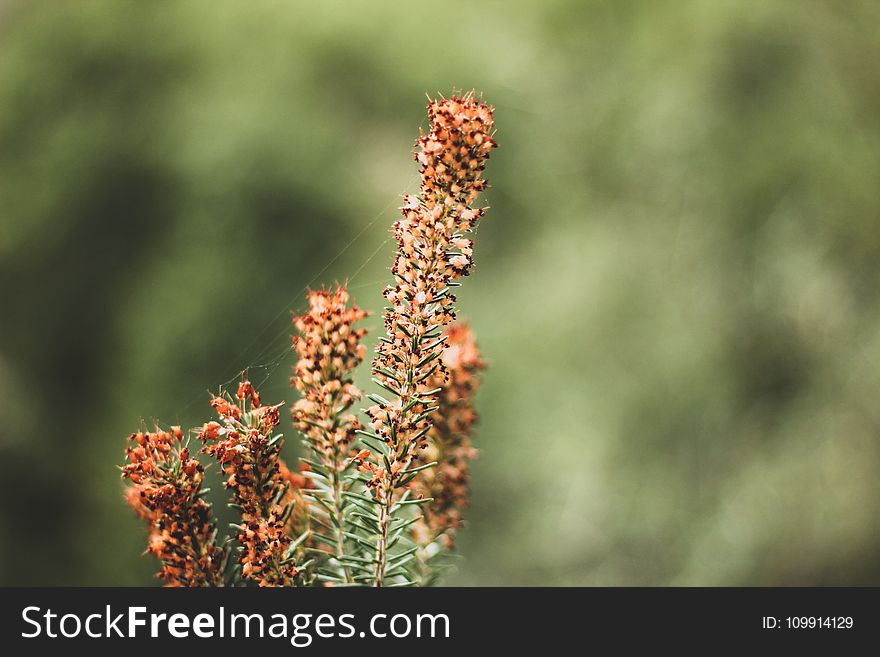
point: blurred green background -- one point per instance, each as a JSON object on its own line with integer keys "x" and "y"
{"x": 678, "y": 285}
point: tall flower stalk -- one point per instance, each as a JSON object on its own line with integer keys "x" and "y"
{"x": 432, "y": 253}
{"x": 329, "y": 349}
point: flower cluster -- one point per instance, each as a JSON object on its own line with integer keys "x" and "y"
{"x": 248, "y": 453}
{"x": 449, "y": 442}
{"x": 432, "y": 252}
{"x": 329, "y": 349}
{"x": 166, "y": 492}
{"x": 372, "y": 503}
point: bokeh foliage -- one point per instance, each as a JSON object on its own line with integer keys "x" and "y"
{"x": 677, "y": 286}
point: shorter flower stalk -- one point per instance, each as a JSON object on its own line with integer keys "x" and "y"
{"x": 243, "y": 444}
{"x": 329, "y": 349}
{"x": 166, "y": 491}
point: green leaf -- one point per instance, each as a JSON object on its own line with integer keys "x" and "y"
{"x": 436, "y": 344}
{"x": 407, "y": 522}
{"x": 427, "y": 412}
{"x": 325, "y": 539}
{"x": 392, "y": 428}
{"x": 362, "y": 506}
{"x": 405, "y": 553}
{"x": 405, "y": 480}
{"x": 421, "y": 433}
{"x": 420, "y": 468}
{"x": 378, "y": 399}
{"x": 286, "y": 513}
{"x": 427, "y": 359}
{"x": 427, "y": 374}
{"x": 366, "y": 517}
{"x": 363, "y": 498}
{"x": 296, "y": 543}
{"x": 384, "y": 371}
{"x": 398, "y": 572}
{"x": 423, "y": 500}
{"x": 281, "y": 492}
{"x": 359, "y": 540}
{"x": 377, "y": 448}
{"x": 386, "y": 386}
{"x": 370, "y": 532}
{"x": 348, "y": 557}
{"x": 330, "y": 512}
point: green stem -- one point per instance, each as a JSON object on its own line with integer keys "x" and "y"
{"x": 382, "y": 542}
{"x": 338, "y": 509}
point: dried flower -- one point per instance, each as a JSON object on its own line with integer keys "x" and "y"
{"x": 432, "y": 253}
{"x": 248, "y": 453}
{"x": 329, "y": 349}
{"x": 166, "y": 492}
{"x": 449, "y": 442}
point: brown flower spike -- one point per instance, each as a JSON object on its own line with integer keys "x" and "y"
{"x": 248, "y": 453}
{"x": 449, "y": 443}
{"x": 329, "y": 349}
{"x": 432, "y": 252}
{"x": 166, "y": 492}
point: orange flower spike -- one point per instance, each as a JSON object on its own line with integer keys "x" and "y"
{"x": 243, "y": 444}
{"x": 166, "y": 492}
{"x": 432, "y": 253}
{"x": 329, "y": 348}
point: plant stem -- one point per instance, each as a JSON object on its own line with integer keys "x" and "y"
{"x": 338, "y": 509}
{"x": 382, "y": 542}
